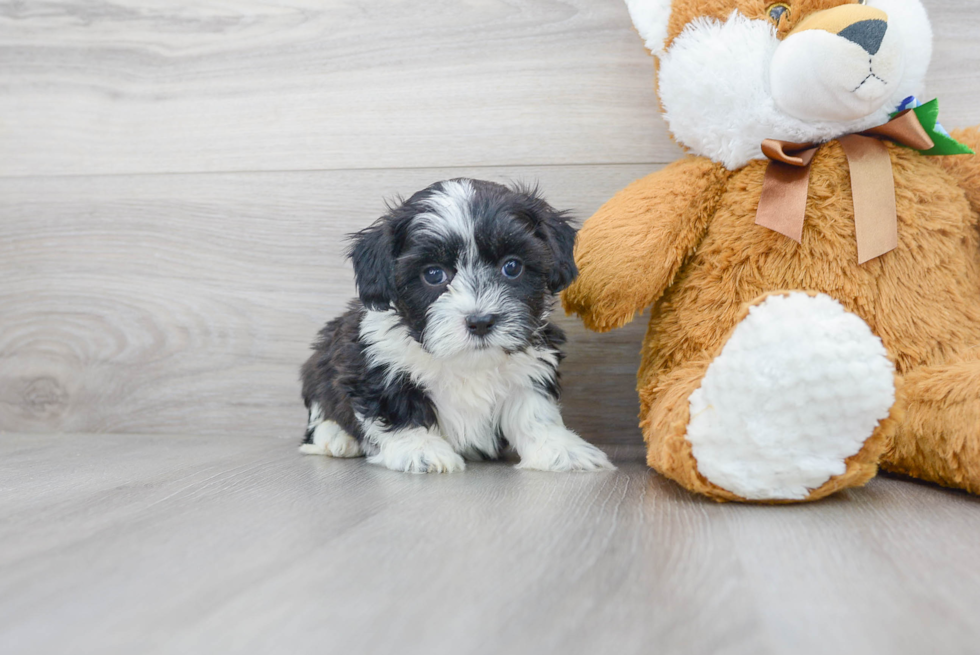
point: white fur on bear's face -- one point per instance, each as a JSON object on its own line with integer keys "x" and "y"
{"x": 819, "y": 76}
{"x": 908, "y": 19}
{"x": 716, "y": 88}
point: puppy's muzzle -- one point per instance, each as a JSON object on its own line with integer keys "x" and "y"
{"x": 480, "y": 324}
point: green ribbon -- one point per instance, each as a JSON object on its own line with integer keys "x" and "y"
{"x": 928, "y": 115}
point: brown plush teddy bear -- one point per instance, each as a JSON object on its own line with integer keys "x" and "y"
{"x": 812, "y": 266}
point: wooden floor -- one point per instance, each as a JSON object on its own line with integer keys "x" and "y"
{"x": 178, "y": 544}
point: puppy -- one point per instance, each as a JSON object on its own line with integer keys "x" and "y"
{"x": 448, "y": 353}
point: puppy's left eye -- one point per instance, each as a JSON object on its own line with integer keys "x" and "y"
{"x": 512, "y": 268}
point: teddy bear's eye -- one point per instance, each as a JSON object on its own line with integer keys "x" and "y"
{"x": 778, "y": 12}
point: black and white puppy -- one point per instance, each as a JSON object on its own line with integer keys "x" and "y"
{"x": 449, "y": 354}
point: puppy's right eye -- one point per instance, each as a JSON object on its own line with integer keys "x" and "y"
{"x": 435, "y": 276}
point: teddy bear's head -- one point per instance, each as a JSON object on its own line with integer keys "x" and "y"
{"x": 734, "y": 72}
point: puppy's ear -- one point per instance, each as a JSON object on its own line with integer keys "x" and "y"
{"x": 553, "y": 227}
{"x": 373, "y": 256}
{"x": 560, "y": 236}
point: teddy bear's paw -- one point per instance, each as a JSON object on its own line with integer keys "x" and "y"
{"x": 799, "y": 387}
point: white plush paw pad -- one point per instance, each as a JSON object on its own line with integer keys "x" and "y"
{"x": 560, "y": 449}
{"x": 418, "y": 453}
{"x": 799, "y": 387}
{"x": 330, "y": 439}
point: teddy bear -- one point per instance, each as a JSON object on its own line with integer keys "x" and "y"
{"x": 811, "y": 266}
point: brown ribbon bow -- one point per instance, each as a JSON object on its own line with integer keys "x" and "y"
{"x": 782, "y": 207}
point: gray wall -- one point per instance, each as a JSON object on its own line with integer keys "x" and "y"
{"x": 176, "y": 179}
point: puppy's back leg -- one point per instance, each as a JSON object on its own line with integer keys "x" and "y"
{"x": 325, "y": 437}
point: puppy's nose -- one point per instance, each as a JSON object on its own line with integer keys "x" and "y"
{"x": 480, "y": 324}
{"x": 866, "y": 33}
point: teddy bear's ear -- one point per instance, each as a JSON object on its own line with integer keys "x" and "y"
{"x": 650, "y": 18}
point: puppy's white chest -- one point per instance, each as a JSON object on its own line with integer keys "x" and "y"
{"x": 468, "y": 409}
{"x": 471, "y": 392}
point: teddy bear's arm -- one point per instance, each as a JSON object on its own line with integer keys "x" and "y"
{"x": 966, "y": 168}
{"x": 629, "y": 252}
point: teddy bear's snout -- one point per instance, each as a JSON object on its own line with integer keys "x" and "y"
{"x": 839, "y": 64}
{"x": 866, "y": 33}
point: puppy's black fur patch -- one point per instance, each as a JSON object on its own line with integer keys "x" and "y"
{"x": 338, "y": 378}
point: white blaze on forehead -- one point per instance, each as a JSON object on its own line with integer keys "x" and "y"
{"x": 451, "y": 213}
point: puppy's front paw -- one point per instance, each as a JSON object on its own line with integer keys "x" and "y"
{"x": 560, "y": 449}
{"x": 418, "y": 453}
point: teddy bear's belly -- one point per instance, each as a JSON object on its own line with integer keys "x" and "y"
{"x": 922, "y": 299}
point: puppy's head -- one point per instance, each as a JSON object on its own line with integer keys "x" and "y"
{"x": 468, "y": 265}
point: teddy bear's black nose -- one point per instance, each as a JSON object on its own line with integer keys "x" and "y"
{"x": 866, "y": 33}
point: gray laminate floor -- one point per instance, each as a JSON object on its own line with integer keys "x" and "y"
{"x": 163, "y": 544}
